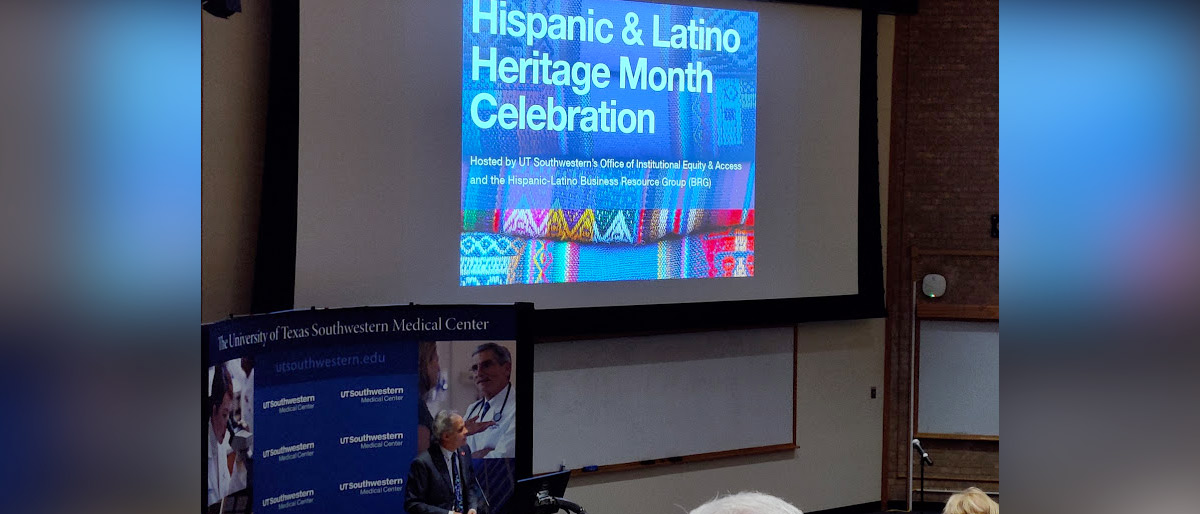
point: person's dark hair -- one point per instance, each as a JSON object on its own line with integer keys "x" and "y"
{"x": 443, "y": 423}
{"x": 502, "y": 354}
{"x": 426, "y": 350}
{"x": 220, "y": 388}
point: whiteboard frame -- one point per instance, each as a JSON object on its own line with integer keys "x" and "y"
{"x": 969, "y": 313}
{"x": 786, "y": 446}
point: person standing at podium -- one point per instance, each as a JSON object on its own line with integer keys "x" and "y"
{"x": 441, "y": 479}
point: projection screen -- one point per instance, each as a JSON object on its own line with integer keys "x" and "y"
{"x": 577, "y": 153}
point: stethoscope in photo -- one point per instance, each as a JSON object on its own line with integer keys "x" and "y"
{"x": 499, "y": 412}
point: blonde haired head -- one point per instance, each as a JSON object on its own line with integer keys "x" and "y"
{"x": 971, "y": 501}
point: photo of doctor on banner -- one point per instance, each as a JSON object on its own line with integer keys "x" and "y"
{"x": 491, "y": 419}
{"x": 229, "y": 426}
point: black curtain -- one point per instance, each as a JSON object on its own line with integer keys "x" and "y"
{"x": 275, "y": 259}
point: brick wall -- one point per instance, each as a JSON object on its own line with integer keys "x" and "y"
{"x": 943, "y": 186}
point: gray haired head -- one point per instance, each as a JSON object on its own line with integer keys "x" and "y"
{"x": 443, "y": 423}
{"x": 749, "y": 502}
{"x": 503, "y": 356}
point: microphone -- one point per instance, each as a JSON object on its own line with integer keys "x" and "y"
{"x": 482, "y": 494}
{"x": 924, "y": 455}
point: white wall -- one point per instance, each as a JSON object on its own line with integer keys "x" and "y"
{"x": 838, "y": 431}
{"x": 707, "y": 391}
{"x": 234, "y": 60}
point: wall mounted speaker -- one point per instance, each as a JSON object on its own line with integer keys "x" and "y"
{"x": 933, "y": 285}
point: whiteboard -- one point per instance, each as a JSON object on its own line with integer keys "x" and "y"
{"x": 616, "y": 401}
{"x": 959, "y": 378}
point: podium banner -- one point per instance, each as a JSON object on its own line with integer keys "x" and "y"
{"x": 324, "y": 410}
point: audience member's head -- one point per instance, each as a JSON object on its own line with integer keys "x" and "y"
{"x": 971, "y": 501}
{"x": 746, "y": 503}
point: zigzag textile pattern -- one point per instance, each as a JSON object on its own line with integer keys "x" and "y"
{"x": 499, "y": 259}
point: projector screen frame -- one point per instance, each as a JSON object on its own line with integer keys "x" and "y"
{"x": 275, "y": 265}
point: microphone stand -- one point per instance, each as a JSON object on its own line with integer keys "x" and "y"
{"x": 924, "y": 458}
{"x": 569, "y": 506}
{"x": 482, "y": 493}
{"x": 547, "y": 504}
{"x": 922, "y": 480}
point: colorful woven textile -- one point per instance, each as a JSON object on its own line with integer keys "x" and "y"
{"x": 604, "y": 225}
{"x": 497, "y": 259}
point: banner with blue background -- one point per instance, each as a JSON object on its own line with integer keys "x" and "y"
{"x": 319, "y": 411}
